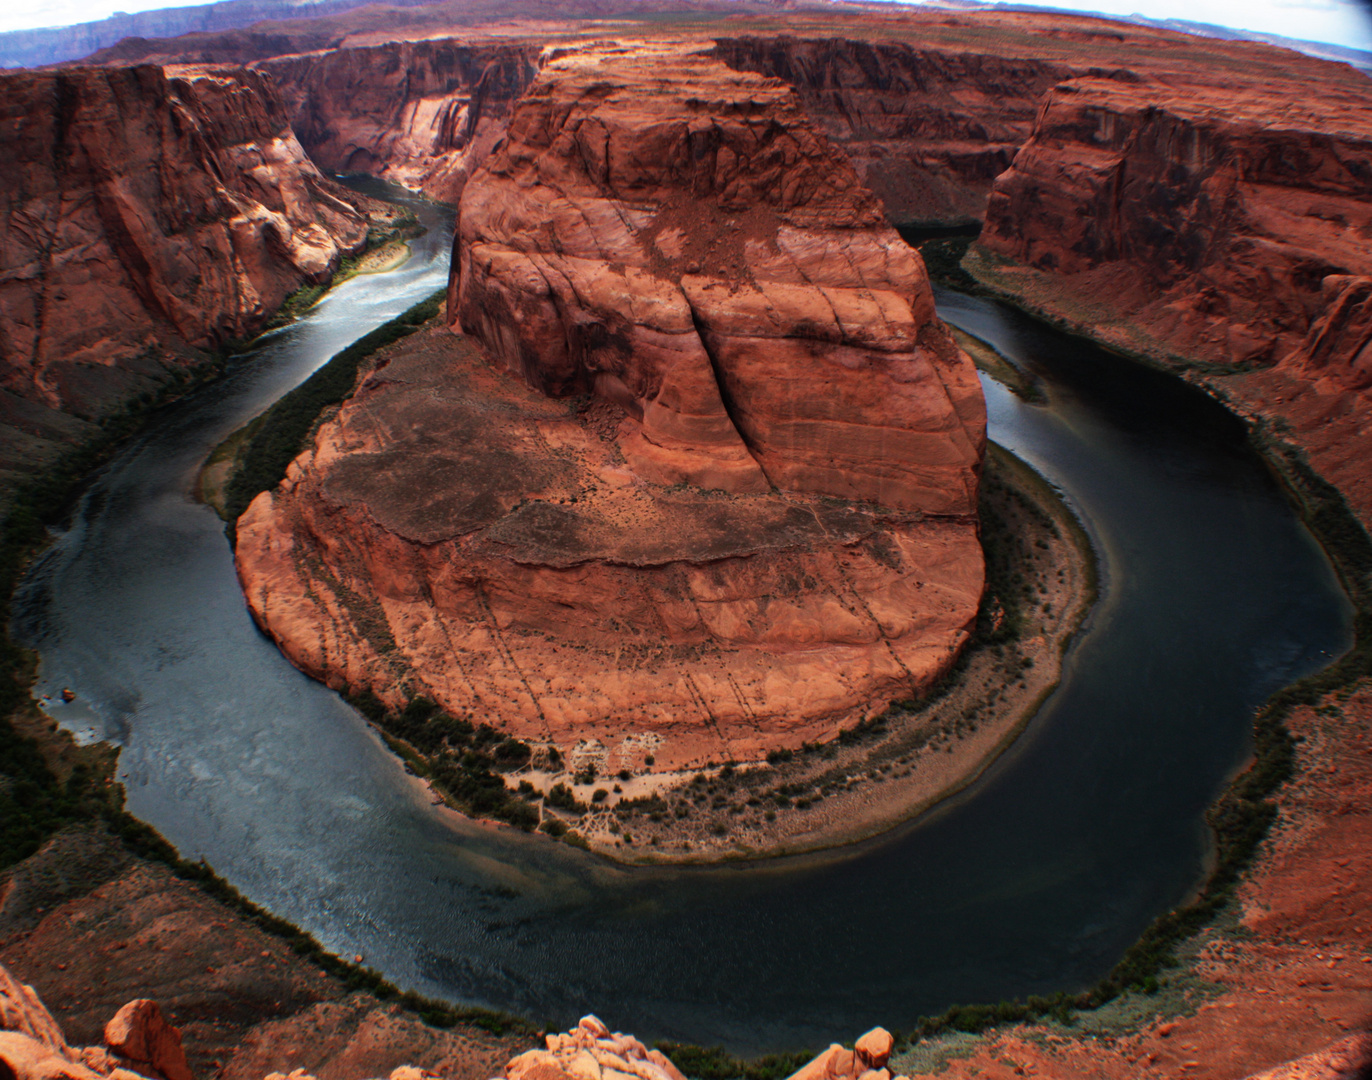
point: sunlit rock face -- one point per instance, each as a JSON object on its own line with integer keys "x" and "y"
{"x": 707, "y": 484}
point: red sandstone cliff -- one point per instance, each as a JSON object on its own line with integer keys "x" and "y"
{"x": 1208, "y": 218}
{"x": 144, "y": 213}
{"x": 1226, "y": 225}
{"x": 928, "y": 130}
{"x": 637, "y": 536}
{"x": 423, "y": 114}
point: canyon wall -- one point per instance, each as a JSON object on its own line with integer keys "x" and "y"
{"x": 717, "y": 492}
{"x": 1223, "y": 230}
{"x": 422, "y": 114}
{"x": 145, "y": 214}
{"x": 1208, "y": 222}
{"x": 928, "y": 130}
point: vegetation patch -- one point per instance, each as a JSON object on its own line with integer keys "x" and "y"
{"x": 279, "y": 435}
{"x": 466, "y": 763}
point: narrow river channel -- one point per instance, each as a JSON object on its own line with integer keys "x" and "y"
{"x": 1034, "y": 880}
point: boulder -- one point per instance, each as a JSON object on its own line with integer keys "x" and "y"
{"x": 140, "y": 1033}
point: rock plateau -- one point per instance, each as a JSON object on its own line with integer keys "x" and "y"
{"x": 714, "y": 492}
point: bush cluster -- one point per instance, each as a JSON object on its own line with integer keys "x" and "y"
{"x": 462, "y": 759}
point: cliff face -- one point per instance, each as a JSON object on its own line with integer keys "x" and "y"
{"x": 1209, "y": 220}
{"x": 144, "y": 213}
{"x": 1227, "y": 224}
{"x": 707, "y": 326}
{"x": 928, "y": 130}
{"x": 675, "y": 236}
{"x": 423, "y": 114}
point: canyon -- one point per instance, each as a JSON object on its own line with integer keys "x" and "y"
{"x": 1220, "y": 194}
{"x": 148, "y": 218}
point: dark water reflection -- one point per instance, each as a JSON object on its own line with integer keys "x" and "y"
{"x": 1035, "y": 880}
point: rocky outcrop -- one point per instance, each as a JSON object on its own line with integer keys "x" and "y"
{"x": 139, "y": 1043}
{"x": 422, "y": 114}
{"x": 675, "y": 236}
{"x": 144, "y": 214}
{"x": 1205, "y": 220}
{"x": 722, "y": 496}
{"x": 590, "y": 1051}
{"x": 928, "y": 130}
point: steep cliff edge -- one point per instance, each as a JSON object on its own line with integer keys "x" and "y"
{"x": 721, "y": 500}
{"x": 423, "y": 114}
{"x": 928, "y": 130}
{"x": 145, "y": 214}
{"x": 1225, "y": 231}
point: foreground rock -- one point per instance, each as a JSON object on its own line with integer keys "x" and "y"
{"x": 98, "y": 933}
{"x": 144, "y": 215}
{"x": 611, "y": 553}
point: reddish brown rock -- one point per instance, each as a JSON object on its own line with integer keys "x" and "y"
{"x": 422, "y": 114}
{"x": 139, "y": 1032}
{"x": 602, "y": 549}
{"x": 1193, "y": 222}
{"x": 142, "y": 214}
{"x": 669, "y": 233}
{"x": 460, "y": 535}
{"x": 928, "y": 130}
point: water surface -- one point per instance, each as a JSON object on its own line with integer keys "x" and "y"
{"x": 1034, "y": 880}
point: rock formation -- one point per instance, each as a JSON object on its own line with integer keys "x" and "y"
{"x": 1210, "y": 224}
{"x": 422, "y": 114}
{"x": 674, "y": 236}
{"x": 728, "y": 500}
{"x": 1221, "y": 229}
{"x": 144, "y": 213}
{"x": 927, "y": 129}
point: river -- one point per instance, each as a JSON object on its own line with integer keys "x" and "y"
{"x": 1033, "y": 880}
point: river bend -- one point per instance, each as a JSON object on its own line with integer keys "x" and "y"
{"x": 1034, "y": 880}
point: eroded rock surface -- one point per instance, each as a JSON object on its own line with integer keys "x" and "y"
{"x": 144, "y": 213}
{"x": 674, "y": 235}
{"x": 592, "y": 545}
{"x": 1206, "y": 224}
{"x": 423, "y": 114}
{"x": 927, "y": 129}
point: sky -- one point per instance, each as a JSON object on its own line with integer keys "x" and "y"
{"x": 1342, "y": 22}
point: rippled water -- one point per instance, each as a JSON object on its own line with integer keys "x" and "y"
{"x": 1033, "y": 880}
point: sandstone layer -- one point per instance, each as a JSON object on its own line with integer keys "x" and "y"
{"x": 145, "y": 214}
{"x": 714, "y": 493}
{"x": 422, "y": 114}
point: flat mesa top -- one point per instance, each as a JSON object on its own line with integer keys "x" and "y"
{"x": 439, "y": 445}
